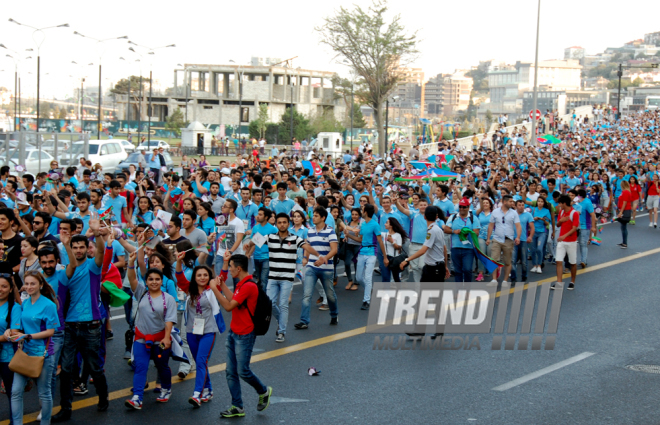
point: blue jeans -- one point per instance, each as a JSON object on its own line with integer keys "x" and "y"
{"x": 384, "y": 271}
{"x": 351, "y": 252}
{"x": 218, "y": 268}
{"x": 583, "y": 241}
{"x": 364, "y": 274}
{"x": 278, "y": 291}
{"x": 87, "y": 342}
{"x": 58, "y": 343}
{"x": 519, "y": 252}
{"x": 538, "y": 246}
{"x": 201, "y": 347}
{"x": 239, "y": 352}
{"x": 45, "y": 395}
{"x": 312, "y": 274}
{"x": 261, "y": 269}
{"x": 142, "y": 354}
{"x": 462, "y": 260}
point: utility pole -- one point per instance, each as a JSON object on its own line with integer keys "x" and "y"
{"x": 291, "y": 113}
{"x": 149, "y": 109}
{"x": 533, "y": 138}
{"x": 352, "y": 105}
{"x": 618, "y": 97}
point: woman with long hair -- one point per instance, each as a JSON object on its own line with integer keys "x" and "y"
{"x": 542, "y": 219}
{"x": 206, "y": 218}
{"x": 144, "y": 211}
{"x": 625, "y": 212}
{"x": 652, "y": 200}
{"x": 190, "y": 259}
{"x": 335, "y": 210}
{"x": 636, "y": 191}
{"x": 30, "y": 261}
{"x": 156, "y": 315}
{"x": 37, "y": 325}
{"x": 203, "y": 321}
{"x": 299, "y": 228}
{"x": 10, "y": 314}
{"x": 394, "y": 240}
{"x": 483, "y": 215}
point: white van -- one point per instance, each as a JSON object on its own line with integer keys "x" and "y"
{"x": 108, "y": 153}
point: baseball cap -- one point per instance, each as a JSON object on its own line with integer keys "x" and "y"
{"x": 465, "y": 202}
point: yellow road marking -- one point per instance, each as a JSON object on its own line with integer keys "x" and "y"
{"x": 126, "y": 392}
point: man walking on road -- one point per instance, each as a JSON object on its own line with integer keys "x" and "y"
{"x": 568, "y": 221}
{"x": 501, "y": 227}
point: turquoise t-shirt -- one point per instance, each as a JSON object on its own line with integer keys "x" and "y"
{"x": 261, "y": 253}
{"x": 37, "y": 317}
{"x": 525, "y": 219}
{"x": 7, "y": 348}
{"x": 369, "y": 231}
{"x": 539, "y": 225}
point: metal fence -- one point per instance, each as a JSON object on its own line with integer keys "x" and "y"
{"x": 32, "y": 152}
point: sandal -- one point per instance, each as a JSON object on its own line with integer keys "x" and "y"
{"x": 355, "y": 287}
{"x": 350, "y": 284}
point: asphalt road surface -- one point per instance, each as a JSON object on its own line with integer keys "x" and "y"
{"x": 608, "y": 323}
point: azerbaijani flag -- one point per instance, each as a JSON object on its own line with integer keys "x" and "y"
{"x": 128, "y": 233}
{"x": 421, "y": 165}
{"x": 490, "y": 264}
{"x": 435, "y": 174}
{"x": 596, "y": 240}
{"x": 549, "y": 139}
{"x": 314, "y": 168}
{"x": 106, "y": 213}
{"x": 222, "y": 237}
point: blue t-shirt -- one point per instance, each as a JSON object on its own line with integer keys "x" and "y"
{"x": 484, "y": 221}
{"x": 369, "y": 231}
{"x": 207, "y": 225}
{"x": 301, "y": 233}
{"x": 525, "y": 219}
{"x": 586, "y": 208}
{"x": 419, "y": 228}
{"x": 447, "y": 206}
{"x": 196, "y": 191}
{"x": 84, "y": 218}
{"x": 278, "y": 206}
{"x": 147, "y": 217}
{"x": 458, "y": 223}
{"x": 539, "y": 225}
{"x": 268, "y": 229}
{"x": 248, "y": 213}
{"x": 118, "y": 204}
{"x": 383, "y": 219}
{"x": 84, "y": 292}
{"x": 7, "y": 348}
{"x": 117, "y": 250}
{"x": 58, "y": 282}
{"x": 571, "y": 182}
{"x": 37, "y": 317}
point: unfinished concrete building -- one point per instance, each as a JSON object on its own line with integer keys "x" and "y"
{"x": 210, "y": 93}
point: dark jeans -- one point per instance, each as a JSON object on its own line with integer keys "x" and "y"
{"x": 462, "y": 260}
{"x": 239, "y": 353}
{"x": 519, "y": 254}
{"x": 434, "y": 273}
{"x": 128, "y": 307}
{"x": 624, "y": 232}
{"x": 394, "y": 270}
{"x": 8, "y": 378}
{"x": 351, "y": 253}
{"x": 87, "y": 341}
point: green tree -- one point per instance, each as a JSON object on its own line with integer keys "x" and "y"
{"x": 325, "y": 122}
{"x": 358, "y": 117}
{"x": 176, "y": 122}
{"x": 301, "y": 127}
{"x": 122, "y": 85}
{"x": 373, "y": 48}
{"x": 489, "y": 119}
{"x": 262, "y": 120}
{"x": 63, "y": 113}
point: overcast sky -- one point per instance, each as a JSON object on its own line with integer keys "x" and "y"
{"x": 453, "y": 34}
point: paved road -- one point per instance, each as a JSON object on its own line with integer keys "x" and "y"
{"x": 607, "y": 323}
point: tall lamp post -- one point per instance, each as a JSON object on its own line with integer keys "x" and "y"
{"x": 82, "y": 95}
{"x": 38, "y": 36}
{"x": 100, "y": 51}
{"x": 387, "y": 120}
{"x": 17, "y": 101}
{"x": 533, "y": 139}
{"x": 240, "y": 98}
{"x": 149, "y": 109}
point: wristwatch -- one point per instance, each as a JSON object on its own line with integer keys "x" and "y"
{"x": 406, "y": 260}
{"x": 28, "y": 337}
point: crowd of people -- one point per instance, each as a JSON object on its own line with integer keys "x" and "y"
{"x": 176, "y": 254}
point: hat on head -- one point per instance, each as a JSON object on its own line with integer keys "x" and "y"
{"x": 225, "y": 171}
{"x": 465, "y": 202}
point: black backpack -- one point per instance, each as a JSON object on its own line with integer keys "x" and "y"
{"x": 262, "y": 313}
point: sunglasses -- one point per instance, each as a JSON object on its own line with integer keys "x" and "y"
{"x": 5, "y": 275}
{"x": 463, "y": 208}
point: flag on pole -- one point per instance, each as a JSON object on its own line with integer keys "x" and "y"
{"x": 222, "y": 237}
{"x": 490, "y": 264}
{"x": 313, "y": 167}
{"x": 596, "y": 240}
{"x": 105, "y": 214}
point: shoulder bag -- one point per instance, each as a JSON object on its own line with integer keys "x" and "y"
{"x": 26, "y": 365}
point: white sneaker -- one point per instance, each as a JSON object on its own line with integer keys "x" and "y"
{"x": 39, "y": 416}
{"x": 492, "y": 283}
{"x": 651, "y": 224}
{"x": 505, "y": 283}
{"x": 533, "y": 269}
{"x": 539, "y": 270}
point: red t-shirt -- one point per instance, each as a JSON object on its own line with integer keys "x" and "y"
{"x": 636, "y": 191}
{"x": 652, "y": 190}
{"x": 241, "y": 322}
{"x": 628, "y": 198}
{"x": 569, "y": 224}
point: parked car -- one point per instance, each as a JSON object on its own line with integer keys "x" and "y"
{"x": 31, "y": 162}
{"x": 128, "y": 146}
{"x": 108, "y": 153}
{"x": 133, "y": 160}
{"x": 149, "y": 146}
{"x": 62, "y": 146}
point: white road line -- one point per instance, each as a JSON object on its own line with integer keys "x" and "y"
{"x": 543, "y": 371}
{"x": 611, "y": 222}
{"x": 118, "y": 317}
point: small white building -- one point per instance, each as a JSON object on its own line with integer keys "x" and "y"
{"x": 196, "y": 135}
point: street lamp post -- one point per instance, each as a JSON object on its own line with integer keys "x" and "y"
{"x": 149, "y": 109}
{"x": 128, "y": 105}
{"x": 38, "y": 42}
{"x": 387, "y": 119}
{"x": 99, "y": 44}
{"x": 240, "y": 99}
{"x": 352, "y": 104}
{"x": 533, "y": 139}
{"x": 16, "y": 58}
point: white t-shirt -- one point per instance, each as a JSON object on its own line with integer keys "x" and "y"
{"x": 231, "y": 229}
{"x": 262, "y": 143}
{"x": 533, "y": 197}
{"x": 389, "y": 247}
{"x": 226, "y": 183}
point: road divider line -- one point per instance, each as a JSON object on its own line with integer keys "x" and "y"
{"x": 544, "y": 371}
{"x": 88, "y": 402}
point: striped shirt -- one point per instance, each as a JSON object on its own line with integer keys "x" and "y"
{"x": 320, "y": 240}
{"x": 283, "y": 254}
